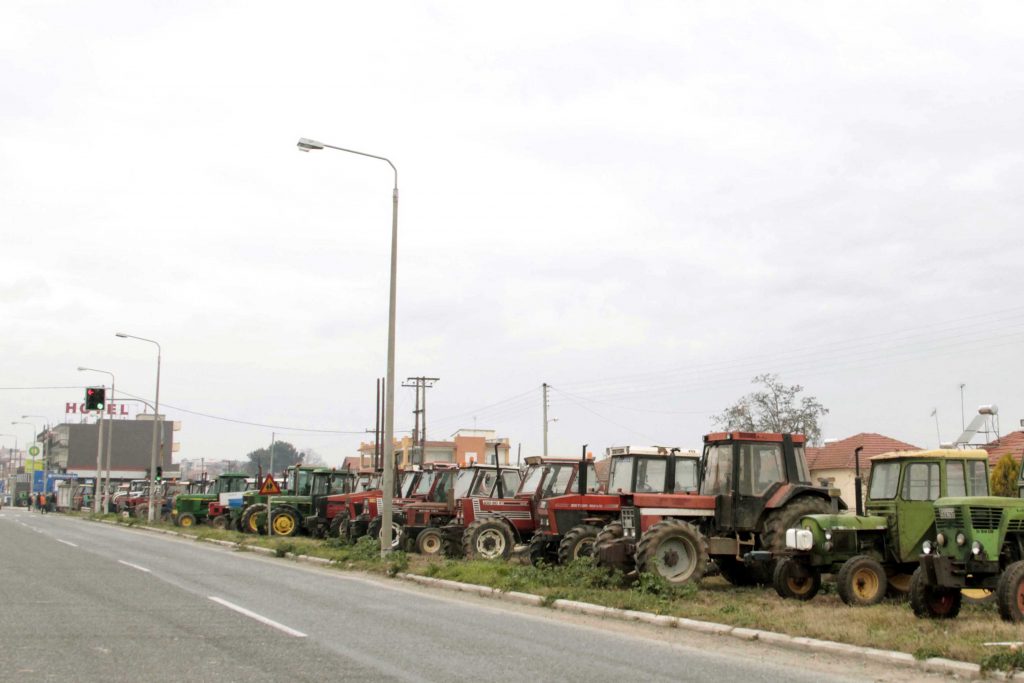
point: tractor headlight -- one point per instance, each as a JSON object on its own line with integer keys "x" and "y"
{"x": 940, "y": 539}
{"x": 827, "y": 546}
{"x": 961, "y": 539}
{"x": 926, "y": 547}
{"x": 976, "y": 548}
{"x": 828, "y": 535}
{"x": 799, "y": 539}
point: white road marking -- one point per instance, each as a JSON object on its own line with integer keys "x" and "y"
{"x": 73, "y": 545}
{"x": 259, "y": 618}
{"x": 134, "y": 566}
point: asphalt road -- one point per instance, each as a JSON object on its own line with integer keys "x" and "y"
{"x": 81, "y": 601}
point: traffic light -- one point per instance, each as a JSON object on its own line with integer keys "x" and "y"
{"x": 95, "y": 398}
{"x": 159, "y": 473}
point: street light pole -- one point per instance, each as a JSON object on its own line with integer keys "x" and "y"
{"x": 110, "y": 439}
{"x": 156, "y": 423}
{"x": 388, "y": 484}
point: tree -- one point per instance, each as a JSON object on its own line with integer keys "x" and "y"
{"x": 777, "y": 408}
{"x": 285, "y": 456}
{"x": 1003, "y": 480}
{"x": 313, "y": 458}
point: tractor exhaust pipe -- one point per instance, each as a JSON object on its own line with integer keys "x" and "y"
{"x": 858, "y": 496}
{"x": 581, "y": 476}
{"x": 670, "y": 471}
{"x": 497, "y": 473}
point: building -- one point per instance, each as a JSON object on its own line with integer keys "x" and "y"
{"x": 1012, "y": 443}
{"x": 834, "y": 465}
{"x": 466, "y": 447}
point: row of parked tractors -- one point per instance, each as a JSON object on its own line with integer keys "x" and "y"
{"x": 745, "y": 506}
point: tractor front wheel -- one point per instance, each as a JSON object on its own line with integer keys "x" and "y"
{"x": 861, "y": 581}
{"x": 428, "y": 541}
{"x": 1010, "y": 593}
{"x": 221, "y": 522}
{"x": 186, "y": 520}
{"x": 933, "y": 602}
{"x": 674, "y": 550}
{"x": 739, "y": 574}
{"x": 488, "y": 539}
{"x": 543, "y": 550}
{"x": 577, "y": 543}
{"x": 374, "y": 531}
{"x": 339, "y": 527}
{"x": 795, "y": 581}
{"x": 284, "y": 521}
{"x": 254, "y": 519}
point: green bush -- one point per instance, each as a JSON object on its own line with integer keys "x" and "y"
{"x": 1009, "y": 661}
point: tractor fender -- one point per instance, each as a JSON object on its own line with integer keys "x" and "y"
{"x": 788, "y": 492}
{"x": 515, "y": 532}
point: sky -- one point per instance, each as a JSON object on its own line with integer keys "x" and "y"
{"x": 643, "y": 205}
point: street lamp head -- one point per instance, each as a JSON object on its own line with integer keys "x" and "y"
{"x": 122, "y": 335}
{"x": 80, "y": 368}
{"x": 305, "y": 145}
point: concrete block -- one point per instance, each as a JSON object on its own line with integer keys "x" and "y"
{"x": 580, "y": 607}
{"x": 889, "y": 657}
{"x": 744, "y": 633}
{"x": 951, "y": 666}
{"x": 703, "y": 626}
{"x": 522, "y": 598}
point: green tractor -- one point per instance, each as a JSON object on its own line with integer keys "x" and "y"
{"x": 193, "y": 508}
{"x": 875, "y": 553}
{"x": 978, "y": 544}
{"x": 290, "y": 509}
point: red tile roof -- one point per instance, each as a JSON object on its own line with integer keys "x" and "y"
{"x": 1012, "y": 443}
{"x": 838, "y": 455}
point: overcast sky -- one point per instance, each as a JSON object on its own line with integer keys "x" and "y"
{"x": 642, "y": 204}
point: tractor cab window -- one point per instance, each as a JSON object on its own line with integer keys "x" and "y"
{"x": 237, "y": 485}
{"x": 532, "y": 480}
{"x": 557, "y": 480}
{"x": 320, "y": 484}
{"x": 650, "y": 475}
{"x": 463, "y": 482}
{"x": 408, "y": 481}
{"x": 341, "y": 484}
{"x": 978, "y": 472}
{"x": 424, "y": 484}
{"x": 219, "y": 486}
{"x": 761, "y": 466}
{"x": 885, "y": 481}
{"x": 956, "y": 482}
{"x": 510, "y": 482}
{"x": 593, "y": 485}
{"x": 485, "y": 483}
{"x": 305, "y": 482}
{"x": 444, "y": 483}
{"x": 621, "y": 478}
{"x": 717, "y": 470}
{"x": 921, "y": 481}
{"x": 687, "y": 475}
{"x": 803, "y": 474}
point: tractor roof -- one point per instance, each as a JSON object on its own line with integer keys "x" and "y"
{"x": 239, "y": 475}
{"x": 540, "y": 459}
{"x": 715, "y": 437}
{"x": 936, "y": 453}
{"x": 620, "y": 451}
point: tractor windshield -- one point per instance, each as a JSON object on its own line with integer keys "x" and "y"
{"x": 621, "y": 478}
{"x": 463, "y": 482}
{"x": 532, "y": 480}
{"x": 650, "y": 475}
{"x": 408, "y": 481}
{"x": 305, "y": 481}
{"x": 219, "y": 486}
{"x": 321, "y": 483}
{"x": 510, "y": 482}
{"x": 442, "y": 486}
{"x": 341, "y": 483}
{"x": 885, "y": 481}
{"x": 978, "y": 472}
{"x": 687, "y": 475}
{"x": 557, "y": 480}
{"x": 424, "y": 484}
{"x": 717, "y": 469}
{"x": 484, "y": 485}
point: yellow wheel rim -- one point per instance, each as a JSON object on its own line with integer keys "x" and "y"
{"x": 799, "y": 586}
{"x": 284, "y": 525}
{"x": 865, "y": 584}
{"x": 431, "y": 544}
{"x": 185, "y": 522}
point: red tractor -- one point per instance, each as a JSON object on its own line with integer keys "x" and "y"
{"x": 423, "y": 520}
{"x": 344, "y": 513}
{"x": 570, "y": 525}
{"x": 754, "y": 486}
{"x": 489, "y": 528}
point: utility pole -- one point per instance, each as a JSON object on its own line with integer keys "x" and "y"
{"x": 419, "y": 432}
{"x": 963, "y": 422}
{"x": 544, "y": 387}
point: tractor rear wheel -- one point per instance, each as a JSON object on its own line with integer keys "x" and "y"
{"x": 578, "y": 542}
{"x": 220, "y": 522}
{"x": 254, "y": 519}
{"x": 795, "y": 581}
{"x": 1010, "y": 593}
{"x": 543, "y": 550}
{"x": 737, "y": 573}
{"x": 374, "y": 531}
{"x": 488, "y": 538}
{"x": 429, "y": 541}
{"x": 339, "y": 527}
{"x": 186, "y": 520}
{"x": 776, "y": 522}
{"x": 674, "y": 550}
{"x": 142, "y": 511}
{"x": 933, "y": 602}
{"x": 861, "y": 581}
{"x": 285, "y": 521}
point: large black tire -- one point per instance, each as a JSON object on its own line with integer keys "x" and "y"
{"x": 543, "y": 550}
{"x": 488, "y": 538}
{"x": 1010, "y": 593}
{"x": 861, "y": 581}
{"x": 776, "y": 522}
{"x": 251, "y": 521}
{"x": 185, "y": 520}
{"x": 933, "y": 602}
{"x": 373, "y": 530}
{"x": 285, "y": 520}
{"x": 339, "y": 527}
{"x": 610, "y": 534}
{"x": 429, "y": 541}
{"x": 578, "y": 542}
{"x": 735, "y": 572}
{"x": 220, "y": 522}
{"x": 675, "y": 550}
{"x": 795, "y": 581}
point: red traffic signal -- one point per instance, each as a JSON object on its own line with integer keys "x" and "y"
{"x": 95, "y": 398}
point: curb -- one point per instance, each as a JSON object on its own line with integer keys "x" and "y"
{"x": 934, "y": 664}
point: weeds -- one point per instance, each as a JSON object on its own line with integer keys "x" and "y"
{"x": 1010, "y": 661}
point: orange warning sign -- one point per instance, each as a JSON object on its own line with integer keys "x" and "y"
{"x": 270, "y": 487}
